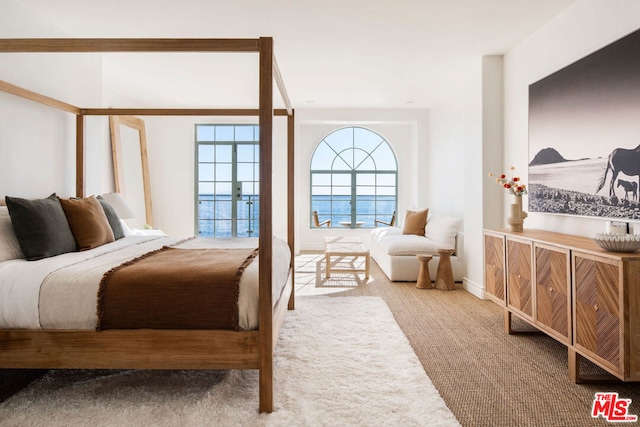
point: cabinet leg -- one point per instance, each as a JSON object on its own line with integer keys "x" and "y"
{"x": 572, "y": 363}
{"x": 509, "y": 330}
{"x": 573, "y": 359}
{"x": 507, "y": 322}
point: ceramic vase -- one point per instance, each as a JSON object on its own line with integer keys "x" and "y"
{"x": 516, "y": 220}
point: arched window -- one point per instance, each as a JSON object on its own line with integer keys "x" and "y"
{"x": 354, "y": 178}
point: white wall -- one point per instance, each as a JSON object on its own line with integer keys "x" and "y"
{"x": 444, "y": 175}
{"x": 584, "y": 27}
{"x": 37, "y": 143}
{"x": 483, "y": 147}
{"x": 492, "y": 138}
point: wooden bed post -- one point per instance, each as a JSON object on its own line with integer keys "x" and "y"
{"x": 80, "y": 155}
{"x": 291, "y": 201}
{"x": 265, "y": 242}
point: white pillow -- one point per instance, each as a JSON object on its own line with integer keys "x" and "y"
{"x": 128, "y": 231}
{"x": 125, "y": 229}
{"x": 443, "y": 229}
{"x": 9, "y": 246}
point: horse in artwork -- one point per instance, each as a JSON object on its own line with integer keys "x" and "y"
{"x": 621, "y": 160}
{"x": 629, "y": 187}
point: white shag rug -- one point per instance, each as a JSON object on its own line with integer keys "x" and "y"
{"x": 340, "y": 361}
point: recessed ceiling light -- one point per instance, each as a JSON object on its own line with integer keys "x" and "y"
{"x": 410, "y": 101}
{"x": 309, "y": 101}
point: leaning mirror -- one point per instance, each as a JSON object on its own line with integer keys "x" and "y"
{"x": 131, "y": 167}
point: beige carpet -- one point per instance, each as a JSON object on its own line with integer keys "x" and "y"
{"x": 339, "y": 362}
{"x": 486, "y": 377}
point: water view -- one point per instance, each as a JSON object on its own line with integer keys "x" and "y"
{"x": 215, "y": 213}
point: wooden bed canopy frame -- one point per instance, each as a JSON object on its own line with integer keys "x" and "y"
{"x": 170, "y": 349}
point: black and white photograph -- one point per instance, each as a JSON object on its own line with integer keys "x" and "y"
{"x": 584, "y": 135}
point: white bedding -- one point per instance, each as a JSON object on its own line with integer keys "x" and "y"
{"x": 61, "y": 292}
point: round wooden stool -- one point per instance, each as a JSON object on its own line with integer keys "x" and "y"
{"x": 424, "y": 281}
{"x": 444, "y": 274}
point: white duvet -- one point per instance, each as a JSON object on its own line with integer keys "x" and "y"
{"x": 61, "y": 292}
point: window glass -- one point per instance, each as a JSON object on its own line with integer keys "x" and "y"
{"x": 366, "y": 179}
{"x": 205, "y": 133}
{"x": 224, "y": 133}
{"x": 365, "y": 191}
{"x": 205, "y": 153}
{"x": 246, "y": 153}
{"x": 322, "y": 157}
{"x": 346, "y": 183}
{"x": 206, "y": 188}
{"x": 320, "y": 179}
{"x": 245, "y": 172}
{"x": 227, "y": 180}
{"x": 224, "y": 153}
{"x": 249, "y": 187}
{"x": 386, "y": 191}
{"x": 205, "y": 172}
{"x": 367, "y": 140}
{"x": 340, "y": 163}
{"x": 341, "y": 179}
{"x": 386, "y": 179}
{"x": 244, "y": 133}
{"x": 367, "y": 164}
{"x": 385, "y": 158}
{"x": 223, "y": 172}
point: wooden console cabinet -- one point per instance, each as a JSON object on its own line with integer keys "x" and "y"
{"x": 572, "y": 290}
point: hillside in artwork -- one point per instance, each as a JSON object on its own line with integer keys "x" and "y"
{"x": 547, "y": 156}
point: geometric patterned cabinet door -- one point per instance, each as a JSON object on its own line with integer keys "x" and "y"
{"x": 494, "y": 267}
{"x": 553, "y": 291}
{"x": 519, "y": 277}
{"x": 597, "y": 309}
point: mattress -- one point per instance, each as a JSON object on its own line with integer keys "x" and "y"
{"x": 61, "y": 292}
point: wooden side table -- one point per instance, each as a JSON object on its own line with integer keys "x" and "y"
{"x": 424, "y": 281}
{"x": 444, "y": 274}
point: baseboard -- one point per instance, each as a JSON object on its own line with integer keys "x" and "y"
{"x": 473, "y": 288}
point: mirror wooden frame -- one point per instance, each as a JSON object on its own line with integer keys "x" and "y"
{"x": 115, "y": 123}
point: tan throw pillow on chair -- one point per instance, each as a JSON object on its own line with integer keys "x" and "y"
{"x": 414, "y": 222}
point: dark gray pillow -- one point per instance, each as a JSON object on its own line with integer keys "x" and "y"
{"x": 41, "y": 227}
{"x": 112, "y": 217}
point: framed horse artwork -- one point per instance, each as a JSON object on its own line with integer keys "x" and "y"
{"x": 584, "y": 135}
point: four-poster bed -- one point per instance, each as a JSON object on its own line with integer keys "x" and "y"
{"x": 166, "y": 348}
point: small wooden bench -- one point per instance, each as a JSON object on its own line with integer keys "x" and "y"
{"x": 345, "y": 247}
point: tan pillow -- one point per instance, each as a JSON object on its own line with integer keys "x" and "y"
{"x": 88, "y": 222}
{"x": 414, "y": 222}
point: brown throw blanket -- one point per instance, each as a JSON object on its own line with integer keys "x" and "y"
{"x": 174, "y": 288}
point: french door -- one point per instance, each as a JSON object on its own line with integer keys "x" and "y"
{"x": 228, "y": 200}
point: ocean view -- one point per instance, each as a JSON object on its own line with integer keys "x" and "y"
{"x": 215, "y": 213}
{"x": 368, "y": 209}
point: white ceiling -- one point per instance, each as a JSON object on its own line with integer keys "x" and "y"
{"x": 332, "y": 54}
